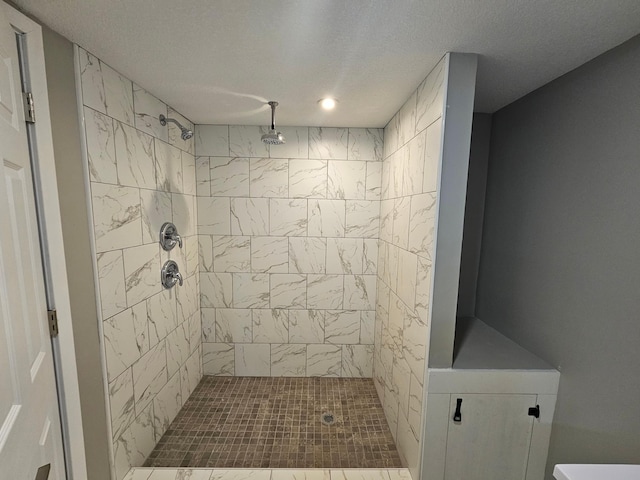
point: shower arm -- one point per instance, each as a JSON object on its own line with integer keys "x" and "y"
{"x": 164, "y": 120}
{"x": 273, "y": 114}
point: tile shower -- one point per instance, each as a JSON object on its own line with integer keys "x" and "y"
{"x": 309, "y": 259}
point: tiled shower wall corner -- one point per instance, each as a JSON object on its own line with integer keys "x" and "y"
{"x": 288, "y": 239}
{"x": 412, "y": 144}
{"x": 141, "y": 175}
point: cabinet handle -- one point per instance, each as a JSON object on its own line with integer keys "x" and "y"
{"x": 457, "y": 417}
{"x": 534, "y": 411}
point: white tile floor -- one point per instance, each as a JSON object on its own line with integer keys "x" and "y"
{"x": 140, "y": 473}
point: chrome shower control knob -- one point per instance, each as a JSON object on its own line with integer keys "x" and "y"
{"x": 170, "y": 274}
{"x": 169, "y": 236}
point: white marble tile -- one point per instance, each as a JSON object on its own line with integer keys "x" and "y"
{"x": 169, "y": 474}
{"x": 299, "y": 474}
{"x": 430, "y": 103}
{"x": 166, "y": 405}
{"x": 155, "y": 208}
{"x": 325, "y": 291}
{"x": 191, "y": 374}
{"x": 142, "y": 272}
{"x": 238, "y": 474}
{"x": 433, "y": 147}
{"x": 93, "y": 94}
{"x": 413, "y": 171}
{"x": 423, "y": 289}
{"x": 328, "y": 143}
{"x": 362, "y": 218}
{"x": 121, "y": 403}
{"x": 346, "y": 180}
{"x": 342, "y": 326}
{"x": 214, "y": 216}
{"x": 233, "y": 325}
{"x": 288, "y": 290}
{"x": 374, "y": 181}
{"x": 308, "y": 178}
{"x": 253, "y": 360}
{"x": 195, "y": 331}
{"x": 408, "y": 446}
{"x": 187, "y": 301}
{"x": 135, "y": 444}
{"x": 399, "y": 474}
{"x": 250, "y": 216}
{"x": 399, "y": 166}
{"x": 296, "y": 146}
{"x": 148, "y": 110}
{"x": 229, "y": 177}
{"x": 270, "y": 326}
{"x": 367, "y": 326}
{"x": 270, "y": 254}
{"x": 175, "y": 133}
{"x": 117, "y": 218}
{"x": 208, "y": 318}
{"x": 324, "y": 360}
{"x": 306, "y": 326}
{"x": 401, "y": 216}
{"x": 184, "y": 213}
{"x": 387, "y": 179}
{"x": 203, "y": 177}
{"x": 344, "y": 255}
{"x": 360, "y": 292}
{"x": 387, "y": 209}
{"x": 245, "y": 141}
{"x": 307, "y": 255}
{"x": 191, "y": 255}
{"x": 212, "y": 140}
{"x": 359, "y": 474}
{"x": 205, "y": 253}
{"x": 250, "y": 290}
{"x": 100, "y": 147}
{"x": 113, "y": 297}
{"x": 357, "y": 361}
{"x": 365, "y": 144}
{"x": 269, "y": 177}
{"x": 421, "y": 224}
{"x": 407, "y": 272}
{"x": 118, "y": 92}
{"x": 391, "y": 135}
{"x": 168, "y": 165}
{"x": 415, "y": 406}
{"x": 231, "y": 254}
{"x": 415, "y": 343}
{"x": 370, "y": 256}
{"x": 288, "y": 360}
{"x": 177, "y": 348}
{"x": 216, "y": 290}
{"x": 126, "y": 339}
{"x": 326, "y": 218}
{"x": 149, "y": 376}
{"x": 397, "y": 314}
{"x": 288, "y": 217}
{"x": 134, "y": 157}
{"x": 407, "y": 117}
{"x": 401, "y": 381}
{"x": 218, "y": 359}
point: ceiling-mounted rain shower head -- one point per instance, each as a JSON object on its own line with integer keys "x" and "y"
{"x": 186, "y": 133}
{"x": 273, "y": 137}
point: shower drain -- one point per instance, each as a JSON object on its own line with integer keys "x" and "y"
{"x": 328, "y": 418}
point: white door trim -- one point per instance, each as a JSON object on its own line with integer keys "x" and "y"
{"x": 63, "y": 345}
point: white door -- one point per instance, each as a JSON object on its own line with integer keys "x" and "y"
{"x": 491, "y": 441}
{"x": 29, "y": 421}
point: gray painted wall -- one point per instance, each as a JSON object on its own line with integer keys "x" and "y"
{"x": 560, "y": 264}
{"x": 474, "y": 213}
{"x": 75, "y": 229}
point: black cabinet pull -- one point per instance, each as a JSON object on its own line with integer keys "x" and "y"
{"x": 457, "y": 417}
{"x": 535, "y": 411}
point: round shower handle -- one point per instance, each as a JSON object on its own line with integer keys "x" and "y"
{"x": 170, "y": 274}
{"x": 169, "y": 236}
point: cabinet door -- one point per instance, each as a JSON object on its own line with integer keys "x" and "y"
{"x": 492, "y": 440}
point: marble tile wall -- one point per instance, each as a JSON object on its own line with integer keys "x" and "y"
{"x": 288, "y": 250}
{"x": 141, "y": 175}
{"x": 412, "y": 141}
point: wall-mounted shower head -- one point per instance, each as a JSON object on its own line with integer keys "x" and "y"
{"x": 186, "y": 133}
{"x": 273, "y": 137}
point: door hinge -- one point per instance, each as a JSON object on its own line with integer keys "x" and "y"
{"x": 53, "y": 322}
{"x": 29, "y": 108}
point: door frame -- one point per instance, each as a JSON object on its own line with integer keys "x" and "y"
{"x": 46, "y": 187}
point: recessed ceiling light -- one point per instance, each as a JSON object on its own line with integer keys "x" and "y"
{"x": 328, "y": 103}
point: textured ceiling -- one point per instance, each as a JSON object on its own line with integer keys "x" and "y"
{"x": 220, "y": 61}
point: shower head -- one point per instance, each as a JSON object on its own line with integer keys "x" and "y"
{"x": 273, "y": 137}
{"x": 186, "y": 133}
